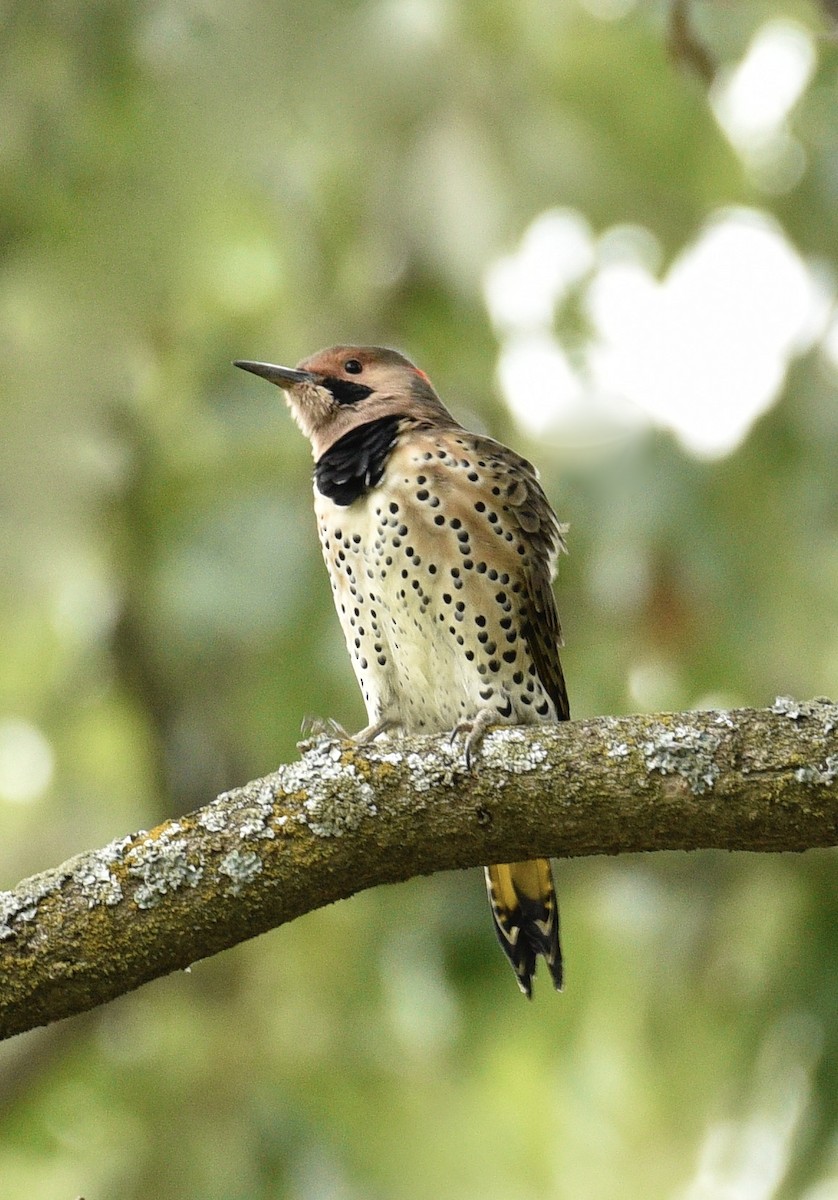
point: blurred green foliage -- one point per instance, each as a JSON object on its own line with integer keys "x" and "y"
{"x": 183, "y": 182}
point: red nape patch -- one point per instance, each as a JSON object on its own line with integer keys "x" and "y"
{"x": 422, "y": 375}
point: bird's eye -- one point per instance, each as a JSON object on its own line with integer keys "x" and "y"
{"x": 352, "y": 366}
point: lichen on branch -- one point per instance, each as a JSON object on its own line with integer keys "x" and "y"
{"x": 345, "y": 817}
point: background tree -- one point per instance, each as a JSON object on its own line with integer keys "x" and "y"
{"x": 186, "y": 183}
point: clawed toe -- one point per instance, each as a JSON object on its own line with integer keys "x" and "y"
{"x": 319, "y": 729}
{"x": 322, "y": 729}
{"x": 475, "y": 731}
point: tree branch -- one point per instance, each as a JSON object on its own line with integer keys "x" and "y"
{"x": 684, "y": 45}
{"x": 346, "y": 818}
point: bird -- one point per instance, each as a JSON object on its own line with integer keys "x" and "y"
{"x": 441, "y": 549}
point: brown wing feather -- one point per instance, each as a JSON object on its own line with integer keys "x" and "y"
{"x": 542, "y": 631}
{"x": 526, "y": 504}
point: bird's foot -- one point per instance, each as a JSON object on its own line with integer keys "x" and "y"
{"x": 370, "y": 732}
{"x": 475, "y": 731}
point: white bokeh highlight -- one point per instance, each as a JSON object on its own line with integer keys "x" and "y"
{"x": 705, "y": 352}
{"x": 753, "y": 103}
{"x": 702, "y": 351}
{"x": 524, "y": 289}
{"x": 26, "y": 761}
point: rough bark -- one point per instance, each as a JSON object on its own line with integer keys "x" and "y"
{"x": 345, "y": 818}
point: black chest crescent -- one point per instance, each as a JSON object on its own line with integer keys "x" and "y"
{"x": 356, "y": 462}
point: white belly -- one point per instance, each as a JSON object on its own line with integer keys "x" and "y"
{"x": 407, "y": 661}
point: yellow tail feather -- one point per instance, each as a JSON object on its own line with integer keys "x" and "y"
{"x": 526, "y": 916}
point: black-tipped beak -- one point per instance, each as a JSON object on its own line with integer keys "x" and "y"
{"x": 282, "y": 376}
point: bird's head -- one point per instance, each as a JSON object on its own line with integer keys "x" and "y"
{"x": 335, "y": 390}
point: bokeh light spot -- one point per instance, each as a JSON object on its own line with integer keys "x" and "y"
{"x": 26, "y": 762}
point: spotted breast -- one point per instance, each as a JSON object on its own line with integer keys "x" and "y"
{"x": 441, "y": 578}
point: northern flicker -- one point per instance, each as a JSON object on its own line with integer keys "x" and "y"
{"x": 441, "y": 548}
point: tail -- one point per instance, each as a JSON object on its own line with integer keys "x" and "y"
{"x": 526, "y": 916}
